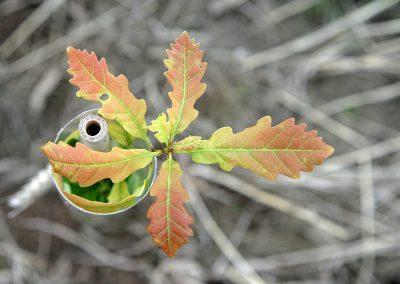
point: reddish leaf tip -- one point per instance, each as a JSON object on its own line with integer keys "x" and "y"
{"x": 291, "y": 121}
{"x": 45, "y": 148}
{"x": 71, "y": 51}
{"x": 184, "y": 34}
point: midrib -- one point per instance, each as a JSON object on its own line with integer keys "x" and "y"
{"x": 107, "y": 164}
{"x": 250, "y": 150}
{"x": 183, "y": 94}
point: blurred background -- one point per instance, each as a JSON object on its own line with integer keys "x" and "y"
{"x": 332, "y": 64}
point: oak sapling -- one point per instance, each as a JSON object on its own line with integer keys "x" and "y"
{"x": 266, "y": 150}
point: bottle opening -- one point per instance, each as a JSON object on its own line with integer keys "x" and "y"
{"x": 93, "y": 128}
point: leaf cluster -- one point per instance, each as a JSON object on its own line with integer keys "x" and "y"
{"x": 266, "y": 150}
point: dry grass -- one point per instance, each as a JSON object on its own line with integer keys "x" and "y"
{"x": 332, "y": 64}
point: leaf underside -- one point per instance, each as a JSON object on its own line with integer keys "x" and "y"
{"x": 119, "y": 191}
{"x": 100, "y": 207}
{"x": 185, "y": 71}
{"x": 82, "y": 164}
{"x": 169, "y": 220}
{"x": 96, "y": 83}
{"x": 119, "y": 134}
{"x": 266, "y": 150}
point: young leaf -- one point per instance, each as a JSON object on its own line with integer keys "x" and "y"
{"x": 185, "y": 71}
{"x": 162, "y": 128}
{"x": 137, "y": 183}
{"x": 187, "y": 144}
{"x": 82, "y": 164}
{"x": 118, "y": 192}
{"x": 268, "y": 151}
{"x": 169, "y": 220}
{"x": 118, "y": 133}
{"x": 96, "y": 83}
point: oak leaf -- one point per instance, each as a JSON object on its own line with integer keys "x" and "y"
{"x": 86, "y": 166}
{"x": 264, "y": 149}
{"x": 119, "y": 134}
{"x": 96, "y": 83}
{"x": 185, "y": 71}
{"x": 162, "y": 128}
{"x": 187, "y": 144}
{"x": 100, "y": 207}
{"x": 119, "y": 191}
{"x": 169, "y": 220}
